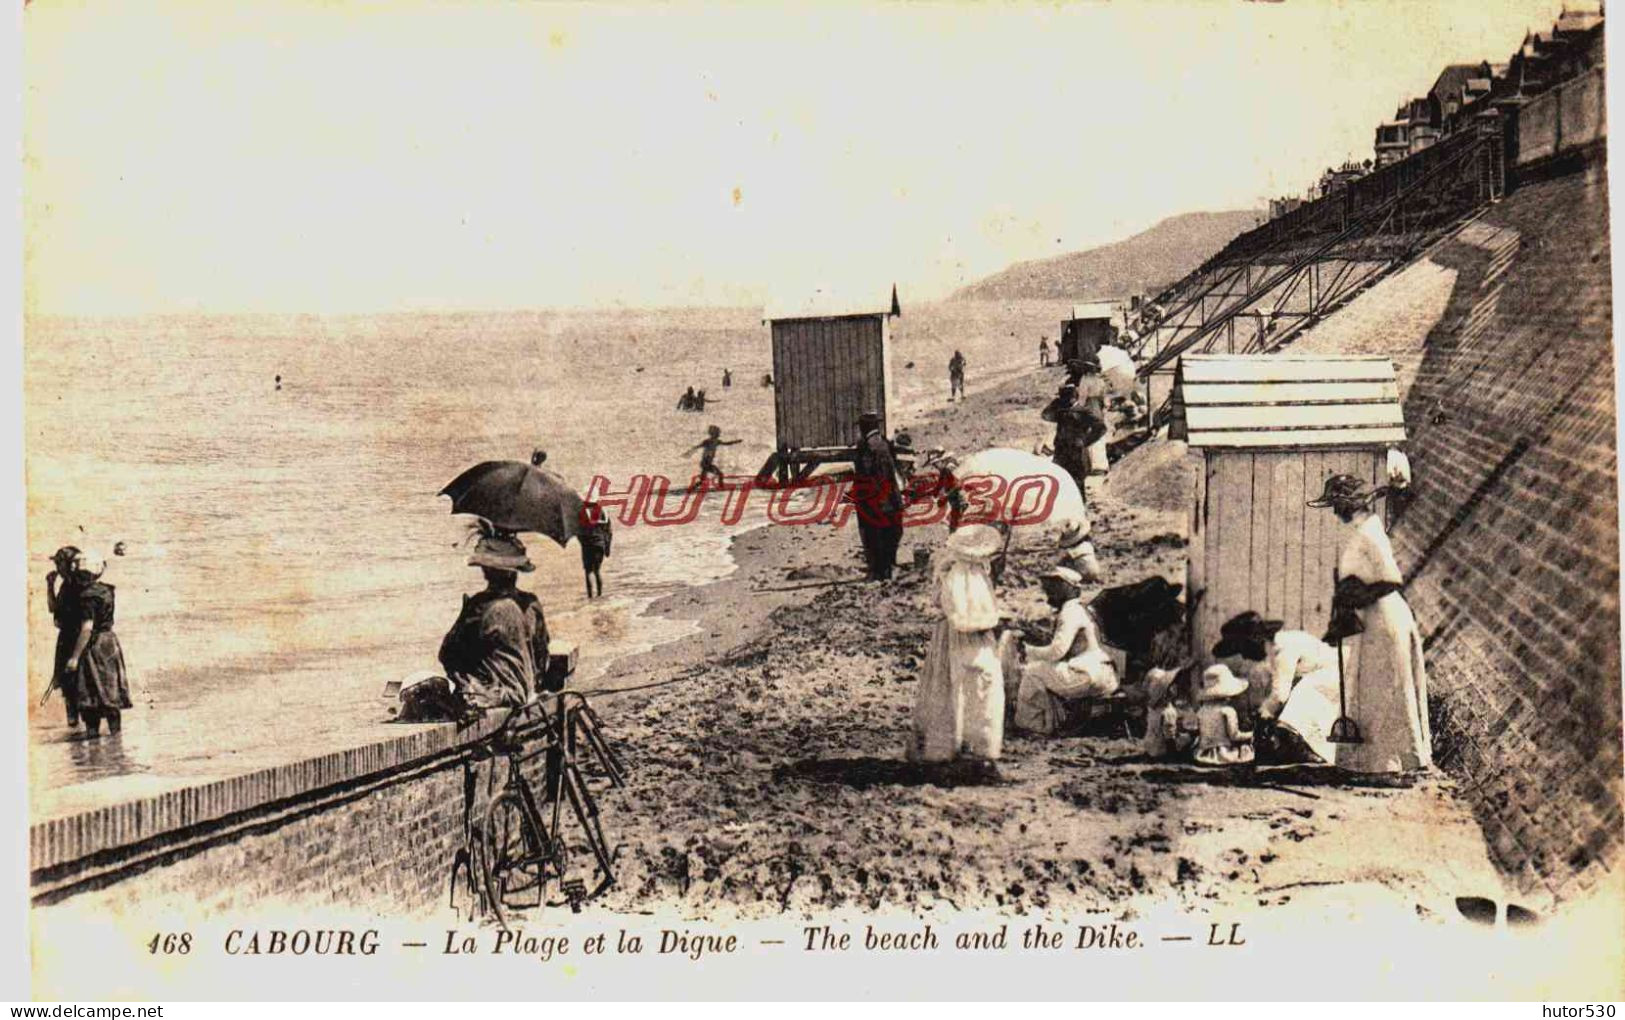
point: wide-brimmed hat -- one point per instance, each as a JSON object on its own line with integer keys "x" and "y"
{"x": 1341, "y": 490}
{"x": 501, "y": 552}
{"x": 869, "y": 418}
{"x": 1074, "y": 533}
{"x": 1245, "y": 634}
{"x": 1219, "y": 683}
{"x": 975, "y": 542}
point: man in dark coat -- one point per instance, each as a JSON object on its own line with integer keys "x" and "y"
{"x": 1076, "y": 429}
{"x": 876, "y": 494}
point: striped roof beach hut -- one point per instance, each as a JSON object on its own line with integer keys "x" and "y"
{"x": 1271, "y": 429}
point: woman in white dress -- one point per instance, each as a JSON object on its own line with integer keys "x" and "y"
{"x": 1291, "y": 676}
{"x": 959, "y": 708}
{"x": 1384, "y": 678}
{"x": 1073, "y": 665}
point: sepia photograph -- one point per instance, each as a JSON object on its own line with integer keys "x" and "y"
{"x": 1084, "y": 500}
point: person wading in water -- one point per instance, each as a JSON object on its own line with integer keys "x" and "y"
{"x": 59, "y": 599}
{"x": 708, "y": 459}
{"x": 594, "y": 536}
{"x": 92, "y": 676}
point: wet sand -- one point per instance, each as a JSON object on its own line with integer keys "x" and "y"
{"x": 769, "y": 775}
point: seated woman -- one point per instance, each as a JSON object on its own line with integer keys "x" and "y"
{"x": 1291, "y": 677}
{"x": 1073, "y": 665}
{"x": 495, "y": 654}
{"x": 1077, "y": 552}
{"x": 1144, "y": 625}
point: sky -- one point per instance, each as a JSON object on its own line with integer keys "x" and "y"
{"x": 346, "y": 157}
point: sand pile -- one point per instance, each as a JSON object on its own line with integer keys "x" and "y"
{"x": 1157, "y": 476}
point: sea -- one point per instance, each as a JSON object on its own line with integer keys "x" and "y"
{"x": 286, "y": 552}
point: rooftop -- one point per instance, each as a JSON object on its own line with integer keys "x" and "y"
{"x": 824, "y": 303}
{"x": 1270, "y": 401}
{"x": 1095, "y": 310}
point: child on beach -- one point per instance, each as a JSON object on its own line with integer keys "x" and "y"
{"x": 708, "y": 459}
{"x": 1221, "y": 739}
{"x": 595, "y": 537}
{"x": 1166, "y": 707}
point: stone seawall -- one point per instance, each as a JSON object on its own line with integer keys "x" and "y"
{"x": 1512, "y": 544}
{"x": 374, "y": 826}
{"x": 1503, "y": 338}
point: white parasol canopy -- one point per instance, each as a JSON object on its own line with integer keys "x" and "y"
{"x": 1117, "y": 368}
{"x": 1015, "y": 465}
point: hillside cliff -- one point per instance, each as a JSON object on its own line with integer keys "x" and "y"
{"x": 1144, "y": 263}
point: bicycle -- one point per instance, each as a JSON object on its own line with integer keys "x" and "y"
{"x": 524, "y": 852}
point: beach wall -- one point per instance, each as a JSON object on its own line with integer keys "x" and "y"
{"x": 375, "y": 826}
{"x": 1511, "y": 545}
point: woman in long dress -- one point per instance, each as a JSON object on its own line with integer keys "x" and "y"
{"x": 959, "y": 709}
{"x": 94, "y": 669}
{"x": 1384, "y": 678}
{"x": 1291, "y": 675}
{"x": 61, "y": 597}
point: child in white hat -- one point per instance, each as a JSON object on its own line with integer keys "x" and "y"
{"x": 1221, "y": 740}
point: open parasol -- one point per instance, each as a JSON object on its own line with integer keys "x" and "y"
{"x": 515, "y": 496}
{"x": 1117, "y": 368}
{"x": 1014, "y": 465}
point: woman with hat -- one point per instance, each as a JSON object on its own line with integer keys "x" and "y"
{"x": 1220, "y": 739}
{"x": 959, "y": 708}
{"x": 92, "y": 676}
{"x": 59, "y": 599}
{"x": 1077, "y": 552}
{"x": 1291, "y": 676}
{"x": 496, "y": 652}
{"x": 1073, "y": 665}
{"x": 1385, "y": 683}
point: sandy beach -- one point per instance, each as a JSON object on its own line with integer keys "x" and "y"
{"x": 769, "y": 773}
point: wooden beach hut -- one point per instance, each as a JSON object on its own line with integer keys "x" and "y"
{"x": 831, "y": 362}
{"x": 1090, "y": 326}
{"x": 1271, "y": 429}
